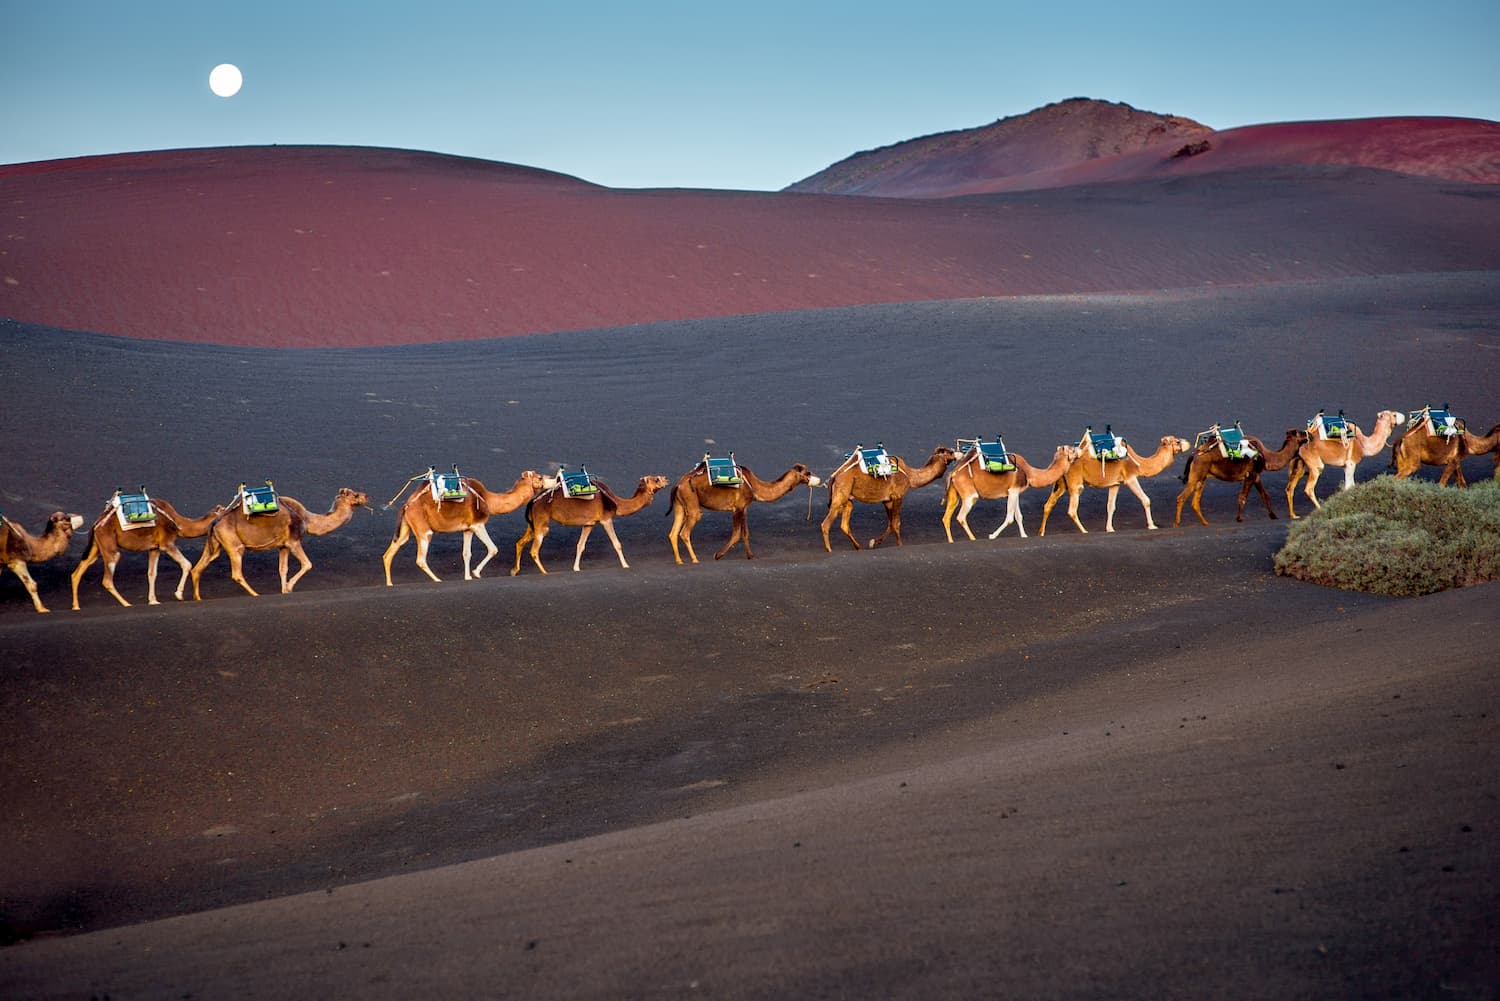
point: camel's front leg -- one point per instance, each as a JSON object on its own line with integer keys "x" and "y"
{"x": 182, "y": 561}
{"x": 682, "y": 532}
{"x": 1134, "y": 484}
{"x": 424, "y": 546}
{"x": 296, "y": 547}
{"x": 828, "y": 520}
{"x": 844, "y": 516}
{"x": 963, "y": 517}
{"x": 1073, "y": 498}
{"x": 739, "y": 533}
{"x": 1349, "y": 473}
{"x": 609, "y": 530}
{"x": 18, "y": 567}
{"x": 950, "y": 504}
{"x": 526, "y": 537}
{"x": 489, "y": 545}
{"x": 538, "y": 533}
{"x": 237, "y": 571}
{"x": 1313, "y": 472}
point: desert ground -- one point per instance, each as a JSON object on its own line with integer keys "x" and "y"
{"x": 1066, "y": 766}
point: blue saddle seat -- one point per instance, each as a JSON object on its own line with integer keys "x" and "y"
{"x": 1234, "y": 445}
{"x": 449, "y": 487}
{"x": 994, "y": 458}
{"x": 876, "y": 461}
{"x": 723, "y": 472}
{"x": 135, "y": 509}
{"x": 1443, "y": 424}
{"x": 1105, "y": 445}
{"x": 577, "y": 484}
{"x": 260, "y": 500}
{"x": 1325, "y": 426}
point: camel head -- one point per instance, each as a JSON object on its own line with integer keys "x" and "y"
{"x": 805, "y": 475}
{"x": 1391, "y": 418}
{"x": 353, "y": 498}
{"x": 651, "y": 484}
{"x": 1069, "y": 452}
{"x": 948, "y": 455}
{"x": 65, "y": 523}
{"x": 1175, "y": 445}
{"x": 537, "y": 482}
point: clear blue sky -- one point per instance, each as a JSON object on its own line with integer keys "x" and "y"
{"x": 705, "y": 94}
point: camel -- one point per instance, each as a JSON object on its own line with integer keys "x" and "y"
{"x": 1111, "y": 474}
{"x": 1317, "y": 452}
{"x": 601, "y": 509}
{"x": 18, "y": 547}
{"x": 850, "y": 483}
{"x": 969, "y": 482}
{"x": 1208, "y": 461}
{"x": 107, "y": 541}
{"x": 695, "y": 493}
{"x": 1418, "y": 446}
{"x": 423, "y": 515}
{"x": 1482, "y": 445}
{"x": 235, "y": 532}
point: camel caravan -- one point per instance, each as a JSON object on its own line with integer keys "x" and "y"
{"x": 261, "y": 519}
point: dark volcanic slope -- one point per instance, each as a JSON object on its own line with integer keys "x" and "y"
{"x": 325, "y": 248}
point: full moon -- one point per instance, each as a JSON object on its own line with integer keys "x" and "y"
{"x": 225, "y": 80}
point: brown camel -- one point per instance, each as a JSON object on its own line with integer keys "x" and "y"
{"x": 969, "y": 482}
{"x": 1319, "y": 451}
{"x": 18, "y": 548}
{"x": 235, "y": 532}
{"x": 851, "y": 482}
{"x": 1110, "y": 474}
{"x": 601, "y": 509}
{"x": 1482, "y": 445}
{"x": 1209, "y": 461}
{"x": 1423, "y": 444}
{"x": 107, "y": 541}
{"x": 696, "y": 493}
{"x": 423, "y": 515}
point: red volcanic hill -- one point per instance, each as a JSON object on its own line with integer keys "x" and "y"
{"x": 321, "y": 247}
{"x": 948, "y": 163}
{"x": 1084, "y": 141}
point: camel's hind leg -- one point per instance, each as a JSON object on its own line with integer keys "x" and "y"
{"x": 892, "y": 523}
{"x": 295, "y": 545}
{"x": 83, "y": 565}
{"x": 152, "y": 559}
{"x": 19, "y": 568}
{"x": 403, "y": 532}
{"x": 1265, "y": 498}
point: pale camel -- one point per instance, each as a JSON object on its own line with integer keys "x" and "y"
{"x": 1317, "y": 452}
{"x": 850, "y": 483}
{"x": 18, "y": 547}
{"x": 1110, "y": 474}
{"x": 1208, "y": 462}
{"x": 694, "y": 494}
{"x": 235, "y": 532}
{"x": 969, "y": 482}
{"x": 582, "y": 512}
{"x": 1418, "y": 447}
{"x": 423, "y": 515}
{"x": 107, "y": 541}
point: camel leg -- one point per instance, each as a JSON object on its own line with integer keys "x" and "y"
{"x": 209, "y": 554}
{"x": 963, "y": 517}
{"x": 403, "y": 532}
{"x": 283, "y": 556}
{"x": 521, "y": 548}
{"x": 740, "y": 533}
{"x": 583, "y": 540}
{"x": 295, "y": 545}
{"x": 1013, "y": 509}
{"x": 468, "y": 553}
{"x": 237, "y": 570}
{"x": 844, "y": 517}
{"x": 609, "y": 530}
{"x": 1265, "y": 498}
{"x": 19, "y": 568}
{"x": 182, "y": 561}
{"x": 537, "y": 533}
{"x": 1293, "y": 476}
{"x": 680, "y": 531}
{"x": 489, "y": 545}
{"x": 892, "y": 523}
{"x": 1313, "y": 472}
{"x": 1134, "y": 484}
{"x": 152, "y": 559}
{"x": 1349, "y": 473}
{"x": 82, "y": 568}
{"x": 424, "y": 545}
{"x": 835, "y": 513}
{"x": 950, "y": 503}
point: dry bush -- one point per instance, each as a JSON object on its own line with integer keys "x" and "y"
{"x": 1398, "y": 537}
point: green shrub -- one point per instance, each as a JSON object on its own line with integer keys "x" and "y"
{"x": 1398, "y": 537}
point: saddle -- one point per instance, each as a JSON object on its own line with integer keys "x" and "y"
{"x": 576, "y": 484}
{"x": 133, "y": 510}
{"x": 447, "y": 486}
{"x": 722, "y": 472}
{"x": 1438, "y": 423}
{"x": 991, "y": 456}
{"x": 1231, "y": 442}
{"x": 1328, "y": 428}
{"x": 259, "y": 500}
{"x": 1105, "y": 447}
{"x": 874, "y": 461}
